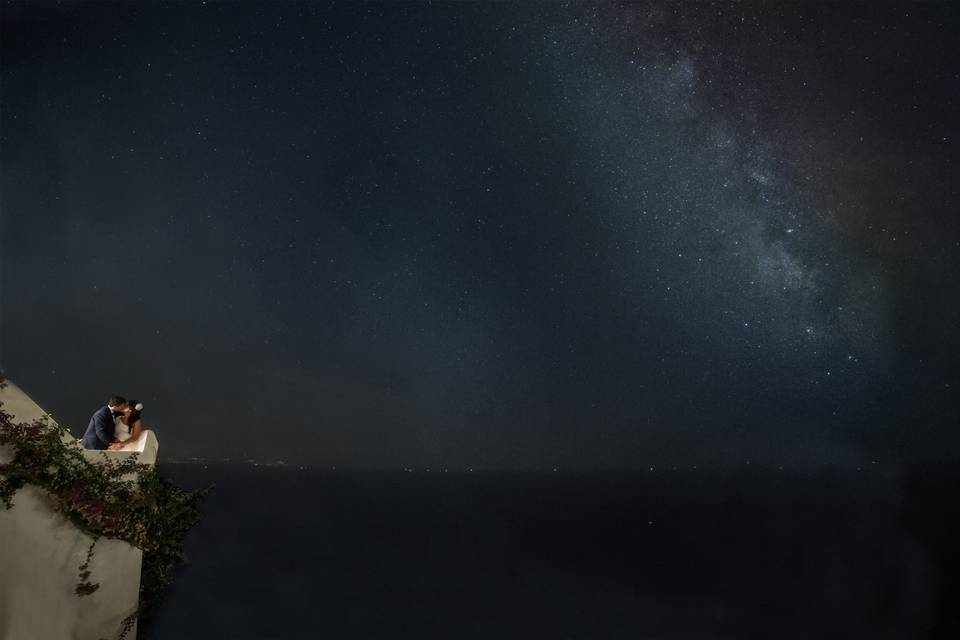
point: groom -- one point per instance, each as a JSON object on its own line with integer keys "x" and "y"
{"x": 99, "y": 432}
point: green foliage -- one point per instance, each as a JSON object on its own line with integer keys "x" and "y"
{"x": 85, "y": 587}
{"x": 124, "y": 500}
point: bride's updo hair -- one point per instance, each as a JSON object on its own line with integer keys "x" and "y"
{"x": 136, "y": 407}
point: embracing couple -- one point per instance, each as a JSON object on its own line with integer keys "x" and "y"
{"x": 116, "y": 426}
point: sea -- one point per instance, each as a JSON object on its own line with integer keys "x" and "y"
{"x": 288, "y": 553}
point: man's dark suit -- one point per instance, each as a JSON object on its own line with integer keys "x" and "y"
{"x": 99, "y": 432}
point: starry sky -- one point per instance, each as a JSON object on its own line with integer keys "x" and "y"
{"x": 488, "y": 235}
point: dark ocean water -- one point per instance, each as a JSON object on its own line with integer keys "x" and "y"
{"x": 284, "y": 553}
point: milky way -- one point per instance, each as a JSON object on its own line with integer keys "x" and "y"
{"x": 488, "y": 235}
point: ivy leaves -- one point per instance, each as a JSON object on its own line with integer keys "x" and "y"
{"x": 85, "y": 587}
{"x": 123, "y": 500}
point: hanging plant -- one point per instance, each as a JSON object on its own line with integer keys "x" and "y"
{"x": 123, "y": 500}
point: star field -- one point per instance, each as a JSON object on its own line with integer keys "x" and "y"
{"x": 488, "y": 235}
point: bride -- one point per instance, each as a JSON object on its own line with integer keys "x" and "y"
{"x": 127, "y": 427}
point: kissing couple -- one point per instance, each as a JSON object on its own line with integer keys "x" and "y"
{"x": 116, "y": 426}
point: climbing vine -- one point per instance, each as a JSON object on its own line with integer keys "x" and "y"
{"x": 123, "y": 500}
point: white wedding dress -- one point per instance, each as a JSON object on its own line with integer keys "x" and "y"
{"x": 121, "y": 432}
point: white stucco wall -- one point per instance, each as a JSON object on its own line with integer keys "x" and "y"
{"x": 40, "y": 551}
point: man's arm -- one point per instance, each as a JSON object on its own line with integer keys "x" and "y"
{"x": 104, "y": 428}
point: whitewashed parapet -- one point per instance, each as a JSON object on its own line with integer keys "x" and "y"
{"x": 40, "y": 551}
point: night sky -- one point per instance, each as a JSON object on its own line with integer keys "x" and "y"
{"x": 489, "y": 235}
